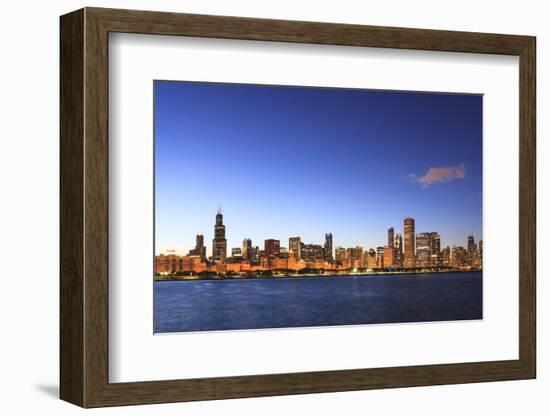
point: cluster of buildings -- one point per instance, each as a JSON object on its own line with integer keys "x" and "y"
{"x": 407, "y": 252}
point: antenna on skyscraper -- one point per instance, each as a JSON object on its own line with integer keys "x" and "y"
{"x": 219, "y": 208}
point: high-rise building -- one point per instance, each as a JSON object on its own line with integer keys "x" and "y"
{"x": 354, "y": 253}
{"x": 254, "y": 254}
{"x": 380, "y": 257}
{"x": 459, "y": 257}
{"x": 247, "y": 249}
{"x": 328, "y": 247}
{"x": 236, "y": 252}
{"x": 219, "y": 243}
{"x": 471, "y": 244}
{"x": 472, "y": 257}
{"x": 409, "y": 255}
{"x": 428, "y": 250}
{"x": 200, "y": 248}
{"x": 295, "y": 246}
{"x": 398, "y": 245}
{"x": 435, "y": 249}
{"x": 446, "y": 257}
{"x": 340, "y": 253}
{"x": 272, "y": 248}
{"x": 389, "y": 257}
{"x": 371, "y": 259}
{"x": 312, "y": 252}
{"x": 423, "y": 250}
{"x": 390, "y": 237}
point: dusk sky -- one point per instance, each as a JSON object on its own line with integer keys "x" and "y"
{"x": 299, "y": 161}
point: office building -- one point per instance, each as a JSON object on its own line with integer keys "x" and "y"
{"x": 391, "y": 241}
{"x": 312, "y": 252}
{"x": 409, "y": 260}
{"x": 247, "y": 249}
{"x": 328, "y": 247}
{"x": 219, "y": 243}
{"x": 272, "y": 248}
{"x": 200, "y": 248}
{"x": 295, "y": 247}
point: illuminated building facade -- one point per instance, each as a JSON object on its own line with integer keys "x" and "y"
{"x": 340, "y": 254}
{"x": 389, "y": 257}
{"x": 435, "y": 249}
{"x": 379, "y": 257}
{"x": 428, "y": 250}
{"x": 295, "y": 247}
{"x": 409, "y": 260}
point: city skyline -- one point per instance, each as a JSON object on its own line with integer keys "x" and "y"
{"x": 410, "y": 252}
{"x": 280, "y": 167}
{"x": 393, "y": 234}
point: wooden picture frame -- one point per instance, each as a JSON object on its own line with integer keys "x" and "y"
{"x": 84, "y": 207}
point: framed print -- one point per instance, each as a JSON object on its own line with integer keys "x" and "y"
{"x": 334, "y": 207}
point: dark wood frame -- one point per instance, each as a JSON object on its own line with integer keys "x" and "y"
{"x": 84, "y": 207}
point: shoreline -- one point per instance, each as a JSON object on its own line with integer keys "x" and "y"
{"x": 304, "y": 276}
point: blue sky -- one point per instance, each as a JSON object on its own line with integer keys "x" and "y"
{"x": 297, "y": 161}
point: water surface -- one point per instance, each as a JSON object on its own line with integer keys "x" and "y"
{"x": 206, "y": 305}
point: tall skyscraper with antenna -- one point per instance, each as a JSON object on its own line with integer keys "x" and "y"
{"x": 219, "y": 243}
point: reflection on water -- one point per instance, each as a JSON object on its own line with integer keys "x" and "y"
{"x": 196, "y": 305}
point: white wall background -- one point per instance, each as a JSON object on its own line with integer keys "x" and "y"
{"x": 29, "y": 210}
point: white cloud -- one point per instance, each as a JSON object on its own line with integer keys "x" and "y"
{"x": 440, "y": 175}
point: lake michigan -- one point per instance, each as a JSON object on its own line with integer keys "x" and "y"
{"x": 208, "y": 305}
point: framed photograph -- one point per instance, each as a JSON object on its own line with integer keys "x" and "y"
{"x": 255, "y": 207}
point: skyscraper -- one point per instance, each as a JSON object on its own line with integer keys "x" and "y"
{"x": 295, "y": 246}
{"x": 200, "y": 249}
{"x": 272, "y": 247}
{"x": 471, "y": 244}
{"x": 247, "y": 249}
{"x": 341, "y": 255}
{"x": 428, "y": 250}
{"x": 312, "y": 252}
{"x": 380, "y": 257}
{"x": 254, "y": 253}
{"x": 328, "y": 247}
{"x": 219, "y": 243}
{"x": 446, "y": 257}
{"x": 389, "y": 257}
{"x": 435, "y": 249}
{"x": 423, "y": 250}
{"x": 459, "y": 257}
{"x": 371, "y": 259}
{"x": 390, "y": 237}
{"x": 409, "y": 259}
{"x": 398, "y": 250}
